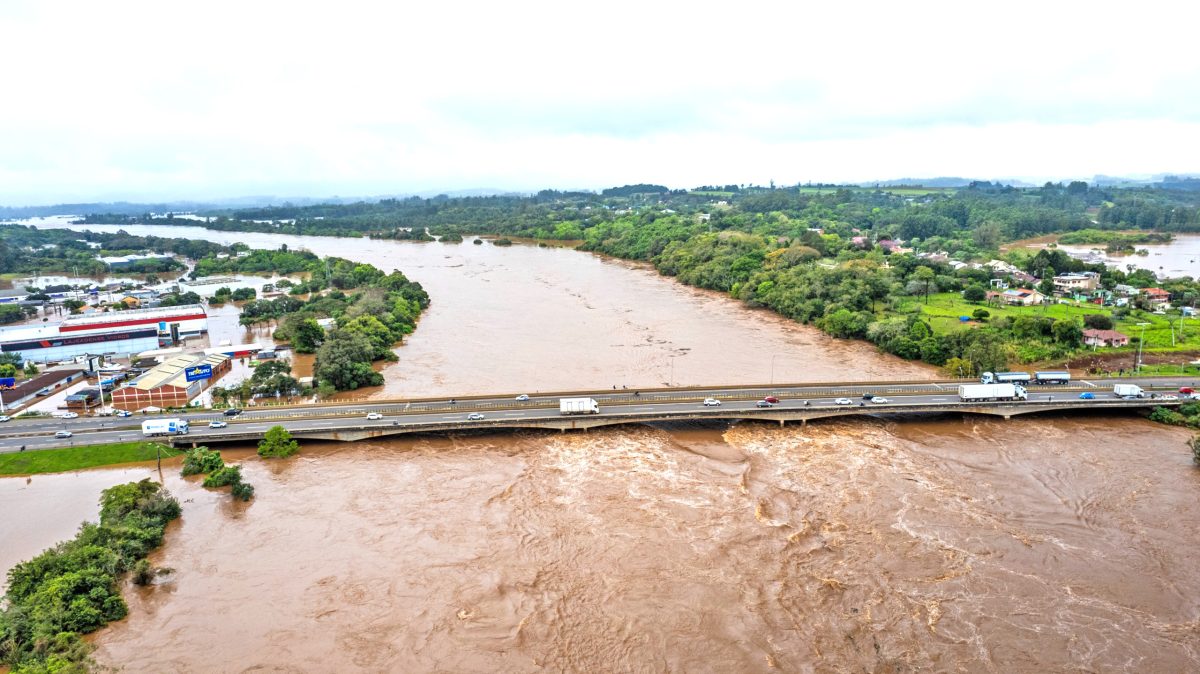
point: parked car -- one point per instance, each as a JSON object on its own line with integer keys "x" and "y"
{"x": 772, "y": 399}
{"x": 843, "y": 401}
{"x": 4, "y": 418}
{"x": 1087, "y": 395}
{"x": 217, "y": 424}
{"x": 124, "y": 413}
{"x": 474, "y": 416}
{"x": 69, "y": 415}
{"x": 522, "y": 398}
{"x": 763, "y": 403}
{"x": 374, "y": 416}
{"x": 879, "y": 400}
{"x": 712, "y": 402}
{"x": 232, "y": 412}
{"x": 62, "y": 434}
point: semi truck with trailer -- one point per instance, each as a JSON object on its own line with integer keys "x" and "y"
{"x": 164, "y": 427}
{"x": 1004, "y": 378}
{"x": 972, "y": 393}
{"x": 578, "y": 406}
{"x": 1128, "y": 391}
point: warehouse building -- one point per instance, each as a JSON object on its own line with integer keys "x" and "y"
{"x": 48, "y": 344}
{"x": 166, "y": 385}
{"x": 187, "y": 319}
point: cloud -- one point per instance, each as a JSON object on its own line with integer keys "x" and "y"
{"x": 160, "y": 100}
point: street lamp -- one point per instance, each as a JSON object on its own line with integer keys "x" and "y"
{"x": 1141, "y": 344}
{"x": 773, "y": 368}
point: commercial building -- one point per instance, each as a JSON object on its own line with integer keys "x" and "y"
{"x": 124, "y": 261}
{"x": 186, "y": 319}
{"x": 48, "y": 344}
{"x": 166, "y": 384}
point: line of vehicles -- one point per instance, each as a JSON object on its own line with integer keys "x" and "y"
{"x": 1049, "y": 377}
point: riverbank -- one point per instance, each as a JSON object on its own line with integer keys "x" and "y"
{"x": 65, "y": 459}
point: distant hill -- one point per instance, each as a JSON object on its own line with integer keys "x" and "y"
{"x": 921, "y": 182}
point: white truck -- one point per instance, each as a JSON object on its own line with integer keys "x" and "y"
{"x": 578, "y": 406}
{"x": 164, "y": 427}
{"x": 970, "y": 393}
{"x": 1129, "y": 391}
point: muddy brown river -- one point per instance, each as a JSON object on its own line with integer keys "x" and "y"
{"x": 1059, "y": 543}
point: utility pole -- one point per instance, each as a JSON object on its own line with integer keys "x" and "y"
{"x": 1141, "y": 345}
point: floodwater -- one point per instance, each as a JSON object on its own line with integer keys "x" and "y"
{"x": 1180, "y": 257}
{"x": 1055, "y": 543}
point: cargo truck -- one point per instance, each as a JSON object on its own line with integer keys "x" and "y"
{"x": 970, "y": 393}
{"x": 164, "y": 427}
{"x": 1129, "y": 391}
{"x": 1052, "y": 377}
{"x": 578, "y": 406}
{"x": 1004, "y": 378}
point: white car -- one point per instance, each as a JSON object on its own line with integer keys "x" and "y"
{"x": 62, "y": 434}
{"x": 712, "y": 402}
{"x": 374, "y": 416}
{"x": 4, "y": 418}
{"x": 68, "y": 415}
{"x": 880, "y": 400}
{"x": 217, "y": 424}
{"x": 522, "y": 398}
{"x": 474, "y": 416}
{"x": 124, "y": 413}
{"x": 843, "y": 401}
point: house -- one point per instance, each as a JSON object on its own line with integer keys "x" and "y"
{"x": 1001, "y": 267}
{"x": 1088, "y": 280}
{"x": 1104, "y": 338}
{"x": 1024, "y": 278}
{"x": 131, "y": 302}
{"x": 1157, "y": 296}
{"x": 1125, "y": 290}
{"x": 999, "y": 283}
{"x": 889, "y": 245}
{"x": 1021, "y": 297}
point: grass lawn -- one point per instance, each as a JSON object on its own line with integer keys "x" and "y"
{"x": 944, "y": 310}
{"x": 74, "y": 458}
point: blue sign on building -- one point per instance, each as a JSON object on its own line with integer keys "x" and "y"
{"x": 198, "y": 372}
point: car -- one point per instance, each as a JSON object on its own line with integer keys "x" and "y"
{"x": 124, "y": 413}
{"x": 1187, "y": 390}
{"x": 217, "y": 424}
{"x": 44, "y": 392}
{"x": 712, "y": 402}
{"x": 374, "y": 416}
{"x": 4, "y": 418}
{"x": 1087, "y": 395}
{"x": 474, "y": 416}
{"x": 232, "y": 412}
{"x": 62, "y": 434}
{"x": 868, "y": 396}
{"x": 522, "y": 398}
{"x": 69, "y": 415}
{"x": 763, "y": 403}
{"x": 879, "y": 400}
{"x": 1168, "y": 396}
{"x": 843, "y": 401}
{"x": 771, "y": 399}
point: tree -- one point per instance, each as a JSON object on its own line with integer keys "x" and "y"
{"x": 8, "y": 370}
{"x": 1067, "y": 333}
{"x": 201, "y": 460}
{"x": 31, "y": 369}
{"x": 1194, "y": 444}
{"x": 958, "y": 367}
{"x": 925, "y": 275}
{"x": 277, "y": 443}
{"x": 975, "y": 293}
{"x": 1098, "y": 322}
{"x": 981, "y": 314}
{"x": 344, "y": 361}
{"x": 305, "y": 334}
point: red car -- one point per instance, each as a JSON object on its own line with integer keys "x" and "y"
{"x": 771, "y": 399}
{"x": 1186, "y": 389}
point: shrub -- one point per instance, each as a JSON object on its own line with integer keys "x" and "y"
{"x": 201, "y": 460}
{"x": 278, "y": 443}
{"x": 243, "y": 491}
{"x": 224, "y": 477}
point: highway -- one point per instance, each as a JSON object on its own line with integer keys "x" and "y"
{"x": 503, "y": 411}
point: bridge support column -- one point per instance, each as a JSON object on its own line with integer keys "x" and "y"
{"x": 804, "y": 423}
{"x": 194, "y": 445}
{"x": 781, "y": 422}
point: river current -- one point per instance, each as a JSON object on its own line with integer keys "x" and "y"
{"x": 1058, "y": 543}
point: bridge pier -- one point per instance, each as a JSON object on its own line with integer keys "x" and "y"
{"x": 782, "y": 422}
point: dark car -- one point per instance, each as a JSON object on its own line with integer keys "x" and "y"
{"x": 763, "y": 403}
{"x": 771, "y": 399}
{"x": 232, "y": 412}
{"x": 868, "y": 396}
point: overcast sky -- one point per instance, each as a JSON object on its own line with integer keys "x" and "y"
{"x": 167, "y": 100}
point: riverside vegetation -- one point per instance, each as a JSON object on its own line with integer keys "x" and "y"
{"x": 71, "y": 589}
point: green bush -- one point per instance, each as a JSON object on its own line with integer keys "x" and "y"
{"x": 201, "y": 460}
{"x": 224, "y": 477}
{"x": 277, "y": 443}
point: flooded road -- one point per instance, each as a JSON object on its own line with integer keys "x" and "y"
{"x": 1052, "y": 543}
